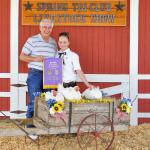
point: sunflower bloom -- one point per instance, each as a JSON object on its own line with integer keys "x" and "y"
{"x": 61, "y": 104}
{"x": 123, "y": 107}
{"x": 56, "y": 108}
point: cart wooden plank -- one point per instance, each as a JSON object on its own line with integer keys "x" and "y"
{"x": 43, "y": 120}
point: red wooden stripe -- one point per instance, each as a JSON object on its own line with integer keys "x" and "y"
{"x": 101, "y": 49}
{"x": 27, "y": 99}
{"x": 144, "y": 86}
{"x": 142, "y": 32}
{"x": 4, "y": 85}
{"x": 5, "y": 35}
{"x": 3, "y": 117}
{"x": 143, "y": 120}
{"x": 144, "y": 105}
{"x": 144, "y": 36}
{"x": 125, "y": 43}
{"x": 4, "y": 103}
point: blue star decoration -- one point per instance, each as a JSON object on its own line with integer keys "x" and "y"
{"x": 28, "y": 6}
{"x": 119, "y": 6}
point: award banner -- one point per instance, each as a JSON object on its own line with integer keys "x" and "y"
{"x": 52, "y": 72}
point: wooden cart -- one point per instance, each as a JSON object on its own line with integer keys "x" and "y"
{"x": 89, "y": 120}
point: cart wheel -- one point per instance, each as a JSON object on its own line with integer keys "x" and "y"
{"x": 92, "y": 132}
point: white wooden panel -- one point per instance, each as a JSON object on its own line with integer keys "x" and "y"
{"x": 12, "y": 115}
{"x": 116, "y": 89}
{"x": 134, "y": 16}
{"x": 14, "y": 17}
{"x": 144, "y": 115}
{"x": 91, "y": 78}
{"x": 7, "y": 113}
{"x": 5, "y": 94}
{"x": 22, "y": 98}
{"x": 144, "y": 77}
{"x": 144, "y": 96}
{"x": 4, "y": 75}
{"x": 107, "y": 78}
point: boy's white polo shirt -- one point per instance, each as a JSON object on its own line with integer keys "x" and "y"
{"x": 71, "y": 64}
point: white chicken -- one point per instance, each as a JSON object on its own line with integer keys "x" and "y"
{"x": 71, "y": 93}
{"x": 93, "y": 93}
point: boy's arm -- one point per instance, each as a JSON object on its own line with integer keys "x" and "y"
{"x": 83, "y": 78}
{"x": 26, "y": 58}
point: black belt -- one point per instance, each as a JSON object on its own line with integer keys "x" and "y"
{"x": 69, "y": 84}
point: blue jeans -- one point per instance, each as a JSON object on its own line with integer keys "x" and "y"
{"x": 35, "y": 84}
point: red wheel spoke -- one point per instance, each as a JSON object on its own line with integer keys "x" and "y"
{"x": 93, "y": 132}
{"x": 90, "y": 126}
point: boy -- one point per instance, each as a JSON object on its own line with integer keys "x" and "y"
{"x": 71, "y": 64}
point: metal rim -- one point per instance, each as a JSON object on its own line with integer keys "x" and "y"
{"x": 94, "y": 133}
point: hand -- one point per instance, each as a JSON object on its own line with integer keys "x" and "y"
{"x": 90, "y": 86}
{"x": 77, "y": 88}
{"x": 39, "y": 58}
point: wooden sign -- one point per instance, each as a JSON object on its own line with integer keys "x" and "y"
{"x": 75, "y": 13}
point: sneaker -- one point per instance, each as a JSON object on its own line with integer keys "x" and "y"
{"x": 30, "y": 126}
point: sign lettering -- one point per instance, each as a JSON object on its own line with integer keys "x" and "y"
{"x": 75, "y": 13}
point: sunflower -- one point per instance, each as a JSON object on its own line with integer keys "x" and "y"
{"x": 123, "y": 107}
{"x": 61, "y": 104}
{"x": 56, "y": 108}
